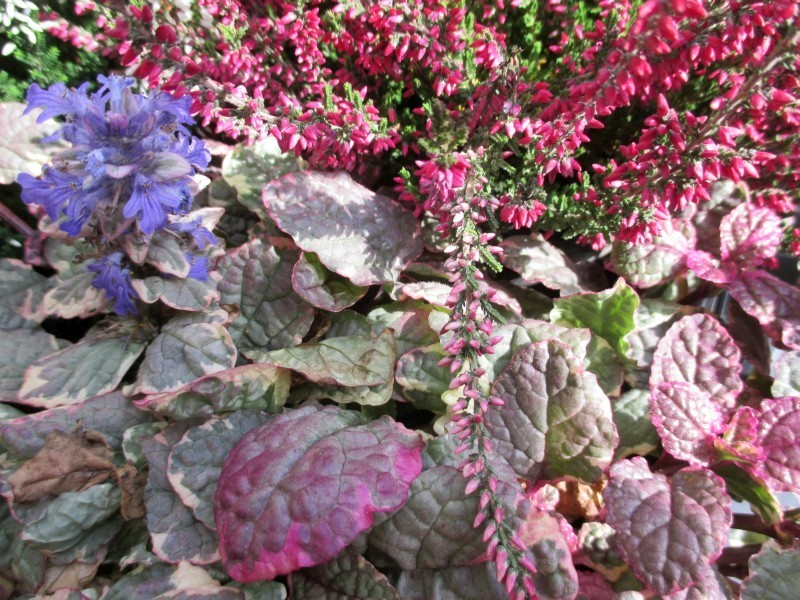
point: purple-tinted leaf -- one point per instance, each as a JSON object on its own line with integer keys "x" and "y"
{"x": 349, "y": 361}
{"x": 706, "y": 267}
{"x": 18, "y": 349}
{"x": 555, "y": 577}
{"x": 556, "y": 420}
{"x": 779, "y": 435}
{"x": 262, "y": 387}
{"x": 321, "y": 288}
{"x": 74, "y": 297}
{"x": 21, "y": 150}
{"x": 196, "y": 460}
{"x": 161, "y": 581}
{"x": 592, "y": 586}
{"x": 182, "y": 353}
{"x": 257, "y": 277}
{"x": 698, "y": 350}
{"x": 786, "y": 371}
{"x": 456, "y": 583}
{"x": 411, "y": 326}
{"x": 182, "y": 294}
{"x": 364, "y": 237}
{"x": 609, "y": 314}
{"x": 774, "y": 573}
{"x": 749, "y": 337}
{"x": 421, "y": 378}
{"x": 740, "y": 439}
{"x": 538, "y": 261}
{"x": 110, "y": 414}
{"x": 296, "y": 491}
{"x": 632, "y": 419}
{"x": 92, "y": 367}
{"x": 687, "y": 420}
{"x": 175, "y": 533}
{"x": 725, "y": 196}
{"x": 774, "y": 303}
{"x": 167, "y": 255}
{"x": 434, "y": 529}
{"x": 347, "y": 577}
{"x": 669, "y": 531}
{"x": 749, "y": 235}
{"x": 712, "y": 586}
{"x": 21, "y": 294}
{"x": 650, "y": 264}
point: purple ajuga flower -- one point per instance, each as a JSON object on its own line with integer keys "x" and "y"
{"x": 115, "y": 279}
{"x": 201, "y": 236}
{"x": 198, "y": 267}
{"x": 131, "y": 153}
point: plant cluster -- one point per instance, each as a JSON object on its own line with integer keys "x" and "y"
{"x": 344, "y": 394}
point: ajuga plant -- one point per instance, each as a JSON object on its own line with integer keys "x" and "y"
{"x": 494, "y": 315}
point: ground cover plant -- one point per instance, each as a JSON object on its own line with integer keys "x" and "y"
{"x": 404, "y": 300}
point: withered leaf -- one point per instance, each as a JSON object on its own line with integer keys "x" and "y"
{"x": 131, "y": 486}
{"x": 68, "y": 462}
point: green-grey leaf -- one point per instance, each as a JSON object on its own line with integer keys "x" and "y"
{"x": 422, "y": 380}
{"x": 257, "y": 277}
{"x": 74, "y": 297}
{"x": 786, "y": 371}
{"x": 774, "y": 573}
{"x": 92, "y": 367}
{"x": 21, "y": 294}
{"x": 347, "y": 577}
{"x": 166, "y": 254}
{"x": 21, "y": 147}
{"x": 606, "y": 366}
{"x": 609, "y": 314}
{"x": 182, "y": 294}
{"x": 322, "y": 288}
{"x": 19, "y": 348}
{"x": 538, "y": 261}
{"x": 632, "y": 418}
{"x": 132, "y": 441}
{"x": 457, "y": 583}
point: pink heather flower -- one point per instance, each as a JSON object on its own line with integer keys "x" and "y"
{"x": 521, "y": 216}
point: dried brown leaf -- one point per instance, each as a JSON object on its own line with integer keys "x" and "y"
{"x": 131, "y": 486}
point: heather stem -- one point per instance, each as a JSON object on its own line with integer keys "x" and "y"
{"x": 9, "y": 217}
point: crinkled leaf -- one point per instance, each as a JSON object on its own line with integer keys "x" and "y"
{"x": 92, "y": 367}
{"x": 349, "y": 361}
{"x": 774, "y": 303}
{"x": 556, "y": 420}
{"x": 249, "y": 168}
{"x": 196, "y": 461}
{"x": 434, "y": 529}
{"x": 71, "y": 516}
{"x": 598, "y": 549}
{"x": 749, "y": 337}
{"x": 609, "y": 314}
{"x": 21, "y": 294}
{"x": 163, "y": 582}
{"x": 131, "y": 484}
{"x": 774, "y": 573}
{"x": 19, "y": 348}
{"x": 262, "y": 387}
{"x": 411, "y": 325}
{"x": 698, "y": 350}
{"x": 182, "y": 353}
{"x": 725, "y": 196}
{"x": 21, "y": 149}
{"x": 456, "y": 583}
{"x": 110, "y": 414}
{"x": 262, "y": 590}
{"x": 687, "y": 420}
{"x": 749, "y": 235}
{"x": 132, "y": 441}
{"x": 650, "y": 264}
{"x": 74, "y": 297}
{"x": 296, "y": 491}
{"x": 712, "y": 586}
{"x": 555, "y": 577}
{"x": 606, "y": 366}
{"x": 182, "y": 294}
{"x": 778, "y": 435}
{"x": 257, "y": 277}
{"x": 538, "y": 261}
{"x": 67, "y": 462}
{"x": 632, "y": 419}
{"x": 786, "y": 371}
{"x": 349, "y": 322}
{"x": 347, "y": 577}
{"x": 669, "y": 531}
{"x": 707, "y": 267}
{"x": 321, "y": 288}
{"x": 363, "y": 236}
{"x": 421, "y": 378}
{"x": 167, "y": 255}
{"x": 175, "y": 533}
{"x": 740, "y": 438}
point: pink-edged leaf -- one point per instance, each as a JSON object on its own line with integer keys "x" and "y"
{"x": 774, "y": 303}
{"x": 174, "y": 531}
{"x": 779, "y": 436}
{"x": 363, "y": 236}
{"x": 786, "y": 371}
{"x": 740, "y": 439}
{"x": 648, "y": 265}
{"x": 538, "y": 261}
{"x": 349, "y": 575}
{"x": 182, "y": 294}
{"x": 170, "y": 582}
{"x": 712, "y": 586}
{"x": 321, "y": 288}
{"x": 707, "y": 217}
{"x": 19, "y": 348}
{"x": 774, "y": 573}
{"x": 687, "y": 420}
{"x": 668, "y": 530}
{"x": 556, "y": 420}
{"x": 698, "y": 350}
{"x": 73, "y": 297}
{"x": 709, "y": 268}
{"x": 749, "y": 235}
{"x": 257, "y": 277}
{"x": 555, "y": 577}
{"x": 296, "y": 491}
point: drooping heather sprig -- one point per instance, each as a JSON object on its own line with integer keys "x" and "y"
{"x": 127, "y": 174}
